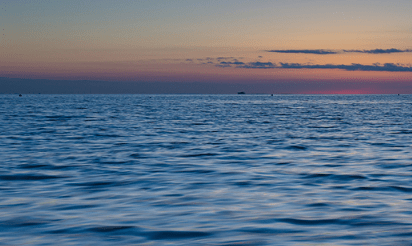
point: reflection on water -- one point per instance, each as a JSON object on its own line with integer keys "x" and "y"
{"x": 205, "y": 169}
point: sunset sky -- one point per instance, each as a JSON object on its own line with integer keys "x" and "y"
{"x": 348, "y": 42}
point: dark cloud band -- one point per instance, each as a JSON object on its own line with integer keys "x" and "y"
{"x": 329, "y": 52}
{"x": 388, "y": 67}
{"x": 378, "y": 51}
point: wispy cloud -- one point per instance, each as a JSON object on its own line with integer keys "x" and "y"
{"x": 217, "y": 61}
{"x": 331, "y": 52}
{"x": 389, "y": 67}
{"x": 228, "y": 64}
{"x": 378, "y": 51}
{"x": 317, "y": 52}
{"x": 257, "y": 64}
{"x": 225, "y": 58}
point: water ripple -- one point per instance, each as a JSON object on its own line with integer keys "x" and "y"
{"x": 205, "y": 169}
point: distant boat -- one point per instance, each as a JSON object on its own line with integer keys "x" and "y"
{"x": 241, "y": 92}
{"x": 19, "y": 95}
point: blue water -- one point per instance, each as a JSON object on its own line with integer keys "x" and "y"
{"x": 205, "y": 169}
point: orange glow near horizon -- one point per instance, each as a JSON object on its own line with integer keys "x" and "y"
{"x": 129, "y": 71}
{"x": 183, "y": 41}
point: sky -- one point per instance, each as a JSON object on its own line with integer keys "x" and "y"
{"x": 350, "y": 46}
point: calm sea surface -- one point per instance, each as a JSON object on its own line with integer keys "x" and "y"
{"x": 205, "y": 170}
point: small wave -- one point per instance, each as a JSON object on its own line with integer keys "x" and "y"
{"x": 25, "y": 177}
{"x": 318, "y": 204}
{"x": 61, "y": 118}
{"x": 137, "y": 156}
{"x": 245, "y": 243}
{"x": 386, "y": 145}
{"x": 371, "y": 188}
{"x": 400, "y": 188}
{"x": 99, "y": 185}
{"x": 296, "y": 147}
{"x": 23, "y": 222}
{"x": 109, "y": 229}
{"x": 342, "y": 177}
{"x": 384, "y": 188}
{"x": 282, "y": 163}
{"x": 322, "y": 127}
{"x": 196, "y": 171}
{"x": 200, "y": 155}
{"x": 116, "y": 230}
{"x": 311, "y": 222}
{"x": 269, "y": 231}
{"x": 76, "y": 207}
{"x": 404, "y": 233}
{"x": 107, "y": 135}
{"x": 403, "y": 132}
{"x": 32, "y": 166}
{"x": 198, "y": 124}
{"x": 162, "y": 235}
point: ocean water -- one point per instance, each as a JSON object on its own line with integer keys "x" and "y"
{"x": 205, "y": 170}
